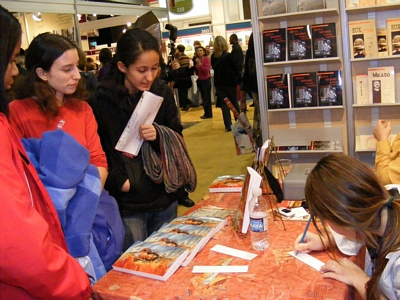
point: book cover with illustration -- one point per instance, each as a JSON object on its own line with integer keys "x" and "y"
{"x": 212, "y": 212}
{"x": 362, "y": 91}
{"x": 330, "y": 88}
{"x": 278, "y": 91}
{"x": 299, "y": 42}
{"x": 363, "y": 39}
{"x": 274, "y": 42}
{"x": 227, "y": 184}
{"x": 273, "y": 7}
{"x": 324, "y": 40}
{"x": 381, "y": 37}
{"x": 304, "y": 5}
{"x": 393, "y": 35}
{"x": 381, "y": 84}
{"x": 304, "y": 89}
{"x": 193, "y": 243}
{"x": 215, "y": 223}
{"x": 358, "y": 3}
{"x": 205, "y": 231}
{"x": 151, "y": 260}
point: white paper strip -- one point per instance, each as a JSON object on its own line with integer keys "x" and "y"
{"x": 308, "y": 259}
{"x": 233, "y": 252}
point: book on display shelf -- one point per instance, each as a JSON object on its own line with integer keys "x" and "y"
{"x": 299, "y": 42}
{"x": 151, "y": 260}
{"x": 293, "y": 148}
{"x": 329, "y": 88}
{"x": 273, "y": 7}
{"x": 304, "y": 89}
{"x": 381, "y": 83}
{"x": 326, "y": 145}
{"x": 278, "y": 91}
{"x": 362, "y": 91}
{"x": 304, "y": 5}
{"x": 324, "y": 40}
{"x": 358, "y": 3}
{"x": 381, "y": 36}
{"x": 193, "y": 243}
{"x": 274, "y": 42}
{"x": 210, "y": 211}
{"x": 363, "y": 39}
{"x": 227, "y": 184}
{"x": 393, "y": 35}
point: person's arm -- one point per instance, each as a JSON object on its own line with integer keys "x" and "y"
{"x": 31, "y": 255}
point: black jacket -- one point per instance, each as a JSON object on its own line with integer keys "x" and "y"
{"x": 225, "y": 70}
{"x": 112, "y": 110}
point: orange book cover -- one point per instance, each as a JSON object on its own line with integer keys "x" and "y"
{"x": 227, "y": 184}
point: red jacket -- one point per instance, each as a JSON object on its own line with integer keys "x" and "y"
{"x": 34, "y": 260}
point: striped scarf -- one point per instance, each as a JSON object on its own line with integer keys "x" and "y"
{"x": 173, "y": 165}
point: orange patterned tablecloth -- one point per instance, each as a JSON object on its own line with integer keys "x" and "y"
{"x": 273, "y": 274}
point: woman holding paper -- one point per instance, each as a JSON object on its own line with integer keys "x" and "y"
{"x": 144, "y": 204}
{"x": 49, "y": 97}
{"x": 355, "y": 211}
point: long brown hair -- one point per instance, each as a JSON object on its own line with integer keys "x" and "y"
{"x": 346, "y": 192}
{"x": 41, "y": 53}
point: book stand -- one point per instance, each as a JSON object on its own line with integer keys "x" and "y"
{"x": 260, "y": 166}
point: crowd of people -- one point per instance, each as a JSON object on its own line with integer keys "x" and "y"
{"x": 349, "y": 202}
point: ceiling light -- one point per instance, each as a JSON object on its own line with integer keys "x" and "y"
{"x": 37, "y": 17}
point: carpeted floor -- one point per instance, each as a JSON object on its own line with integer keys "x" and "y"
{"x": 211, "y": 149}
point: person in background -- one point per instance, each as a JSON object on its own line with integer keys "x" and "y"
{"x": 249, "y": 82}
{"x": 105, "y": 58}
{"x": 238, "y": 59}
{"x": 387, "y": 159}
{"x": 34, "y": 259}
{"x": 144, "y": 202}
{"x": 50, "y": 97}
{"x": 89, "y": 80}
{"x": 195, "y": 96}
{"x": 203, "y": 65}
{"x": 355, "y": 210}
{"x": 91, "y": 66}
{"x": 21, "y": 62}
{"x": 226, "y": 77}
{"x": 183, "y": 81}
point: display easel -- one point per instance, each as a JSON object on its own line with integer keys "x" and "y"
{"x": 261, "y": 161}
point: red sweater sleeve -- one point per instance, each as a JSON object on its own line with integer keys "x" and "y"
{"x": 33, "y": 258}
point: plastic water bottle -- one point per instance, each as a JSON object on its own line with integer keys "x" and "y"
{"x": 258, "y": 221}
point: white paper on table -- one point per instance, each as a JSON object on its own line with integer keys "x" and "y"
{"x": 299, "y": 212}
{"x": 144, "y": 114}
{"x": 308, "y": 259}
{"x": 254, "y": 181}
{"x": 220, "y": 269}
{"x": 233, "y": 252}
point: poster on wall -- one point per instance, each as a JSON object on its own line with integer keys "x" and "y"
{"x": 183, "y": 9}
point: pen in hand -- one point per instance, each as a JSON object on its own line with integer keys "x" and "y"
{"x": 304, "y": 233}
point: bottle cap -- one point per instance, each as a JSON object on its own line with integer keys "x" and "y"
{"x": 257, "y": 191}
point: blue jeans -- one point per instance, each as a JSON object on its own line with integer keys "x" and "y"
{"x": 230, "y": 92}
{"x": 139, "y": 226}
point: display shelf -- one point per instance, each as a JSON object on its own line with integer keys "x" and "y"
{"x": 275, "y": 110}
{"x": 301, "y": 15}
{"x": 377, "y": 105}
{"x": 313, "y": 61}
{"x": 372, "y": 8}
{"x": 375, "y": 58}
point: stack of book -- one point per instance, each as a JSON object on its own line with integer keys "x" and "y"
{"x": 227, "y": 184}
{"x": 175, "y": 244}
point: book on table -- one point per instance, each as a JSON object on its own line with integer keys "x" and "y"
{"x": 212, "y": 212}
{"x": 227, "y": 184}
{"x": 215, "y": 223}
{"x": 151, "y": 260}
{"x": 193, "y": 243}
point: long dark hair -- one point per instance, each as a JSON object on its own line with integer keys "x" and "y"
{"x": 130, "y": 46}
{"x": 347, "y": 192}
{"x": 41, "y": 53}
{"x": 10, "y": 35}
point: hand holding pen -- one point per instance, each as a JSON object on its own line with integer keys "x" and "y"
{"x": 308, "y": 241}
